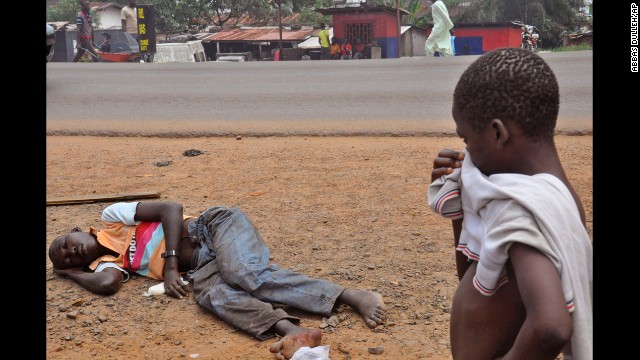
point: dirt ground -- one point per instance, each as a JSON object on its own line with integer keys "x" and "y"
{"x": 349, "y": 209}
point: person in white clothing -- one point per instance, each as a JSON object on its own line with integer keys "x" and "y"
{"x": 440, "y": 38}
{"x": 524, "y": 257}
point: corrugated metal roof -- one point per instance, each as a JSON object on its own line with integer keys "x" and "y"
{"x": 312, "y": 42}
{"x": 248, "y": 20}
{"x": 362, "y": 9}
{"x": 261, "y": 34}
{"x": 100, "y": 6}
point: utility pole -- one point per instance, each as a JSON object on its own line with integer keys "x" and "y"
{"x": 398, "y": 21}
{"x": 280, "y": 24}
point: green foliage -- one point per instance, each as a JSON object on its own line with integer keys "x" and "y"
{"x": 309, "y": 16}
{"x": 580, "y": 47}
{"x": 67, "y": 10}
{"x": 552, "y": 17}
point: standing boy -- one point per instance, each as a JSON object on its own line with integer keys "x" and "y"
{"x": 524, "y": 257}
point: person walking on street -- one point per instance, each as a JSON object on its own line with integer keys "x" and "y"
{"x": 84, "y": 23}
{"x": 439, "y": 41}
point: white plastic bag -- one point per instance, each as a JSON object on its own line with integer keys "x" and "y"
{"x": 158, "y": 289}
{"x": 315, "y": 353}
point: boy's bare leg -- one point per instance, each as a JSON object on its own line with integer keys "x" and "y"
{"x": 294, "y": 338}
{"x": 368, "y": 303}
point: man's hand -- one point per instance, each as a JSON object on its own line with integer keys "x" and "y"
{"x": 446, "y": 161}
{"x": 173, "y": 285}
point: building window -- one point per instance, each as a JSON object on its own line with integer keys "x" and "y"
{"x": 360, "y": 31}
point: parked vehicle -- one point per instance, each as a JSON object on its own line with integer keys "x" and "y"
{"x": 530, "y": 38}
{"x": 51, "y": 40}
{"x": 234, "y": 57}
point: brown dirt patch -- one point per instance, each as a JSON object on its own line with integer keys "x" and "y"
{"x": 349, "y": 209}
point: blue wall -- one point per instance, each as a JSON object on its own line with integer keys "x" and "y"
{"x": 389, "y": 47}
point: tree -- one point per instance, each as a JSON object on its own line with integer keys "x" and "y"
{"x": 309, "y": 15}
{"x": 67, "y": 10}
{"x": 552, "y": 17}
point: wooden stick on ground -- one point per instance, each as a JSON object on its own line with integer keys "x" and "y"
{"x": 85, "y": 199}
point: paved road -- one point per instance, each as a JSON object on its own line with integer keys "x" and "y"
{"x": 408, "y": 96}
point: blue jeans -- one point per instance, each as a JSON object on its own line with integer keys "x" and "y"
{"x": 232, "y": 276}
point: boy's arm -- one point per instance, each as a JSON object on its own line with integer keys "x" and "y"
{"x": 462, "y": 263}
{"x": 547, "y": 327}
{"x": 170, "y": 214}
{"x": 105, "y": 282}
{"x": 444, "y": 164}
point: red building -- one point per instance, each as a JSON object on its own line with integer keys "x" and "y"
{"x": 478, "y": 38}
{"x": 371, "y": 24}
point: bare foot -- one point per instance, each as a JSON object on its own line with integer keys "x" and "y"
{"x": 368, "y": 303}
{"x": 294, "y": 340}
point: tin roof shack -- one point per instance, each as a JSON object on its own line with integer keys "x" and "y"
{"x": 583, "y": 36}
{"x": 109, "y": 14}
{"x": 412, "y": 40}
{"x": 259, "y": 41}
{"x": 478, "y": 38}
{"x": 371, "y": 24}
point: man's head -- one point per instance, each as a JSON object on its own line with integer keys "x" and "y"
{"x": 73, "y": 250}
{"x": 84, "y": 5}
{"x": 321, "y": 25}
{"x": 334, "y": 40}
{"x": 133, "y": 3}
{"x": 508, "y": 87}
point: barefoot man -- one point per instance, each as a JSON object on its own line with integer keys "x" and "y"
{"x": 225, "y": 259}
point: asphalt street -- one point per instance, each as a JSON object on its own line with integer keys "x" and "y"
{"x": 405, "y": 97}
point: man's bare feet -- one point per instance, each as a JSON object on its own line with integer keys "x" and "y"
{"x": 295, "y": 339}
{"x": 368, "y": 303}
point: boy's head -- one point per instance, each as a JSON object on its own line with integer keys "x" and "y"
{"x": 73, "y": 250}
{"x": 508, "y": 91}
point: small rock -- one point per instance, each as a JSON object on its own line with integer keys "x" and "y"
{"x": 162, "y": 163}
{"x": 194, "y": 356}
{"x": 62, "y": 308}
{"x": 238, "y": 137}
{"x": 192, "y": 152}
{"x": 73, "y": 314}
{"x": 376, "y": 350}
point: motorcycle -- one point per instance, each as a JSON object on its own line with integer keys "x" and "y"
{"x": 530, "y": 38}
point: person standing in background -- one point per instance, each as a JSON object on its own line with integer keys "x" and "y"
{"x": 336, "y": 50}
{"x": 129, "y": 19}
{"x": 440, "y": 38}
{"x": 325, "y": 46}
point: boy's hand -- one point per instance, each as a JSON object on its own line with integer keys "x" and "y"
{"x": 446, "y": 161}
